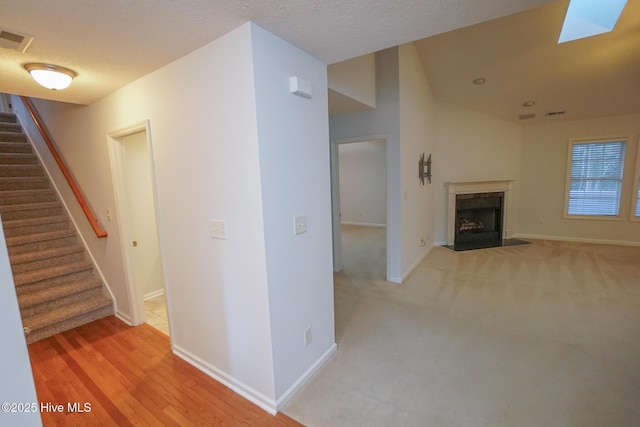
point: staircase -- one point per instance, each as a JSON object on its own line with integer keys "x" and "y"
{"x": 56, "y": 284}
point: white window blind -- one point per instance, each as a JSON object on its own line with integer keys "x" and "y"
{"x": 596, "y": 178}
{"x": 638, "y": 188}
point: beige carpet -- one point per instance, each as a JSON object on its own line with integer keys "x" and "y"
{"x": 546, "y": 334}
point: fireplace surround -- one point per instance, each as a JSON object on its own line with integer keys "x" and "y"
{"x": 478, "y": 213}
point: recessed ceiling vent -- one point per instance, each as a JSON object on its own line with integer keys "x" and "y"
{"x": 555, "y": 113}
{"x": 527, "y": 116}
{"x": 14, "y": 40}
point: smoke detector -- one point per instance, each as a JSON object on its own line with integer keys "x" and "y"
{"x": 14, "y": 40}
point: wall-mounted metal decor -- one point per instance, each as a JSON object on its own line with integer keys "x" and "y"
{"x": 424, "y": 169}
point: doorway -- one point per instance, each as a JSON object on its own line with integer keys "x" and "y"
{"x": 136, "y": 203}
{"x": 360, "y": 203}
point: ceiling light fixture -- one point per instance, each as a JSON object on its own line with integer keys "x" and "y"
{"x": 529, "y": 104}
{"x": 480, "y": 81}
{"x": 50, "y": 76}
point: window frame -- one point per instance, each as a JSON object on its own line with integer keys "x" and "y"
{"x": 572, "y": 142}
{"x": 633, "y": 215}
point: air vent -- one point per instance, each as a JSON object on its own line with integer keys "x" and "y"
{"x": 14, "y": 40}
{"x": 555, "y": 113}
{"x": 526, "y": 116}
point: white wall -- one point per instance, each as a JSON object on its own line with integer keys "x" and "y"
{"x": 405, "y": 116}
{"x": 15, "y": 370}
{"x": 544, "y": 167}
{"x": 417, "y": 123}
{"x": 224, "y": 129}
{"x": 383, "y": 122}
{"x": 355, "y": 78}
{"x": 472, "y": 146}
{"x": 202, "y": 114}
{"x": 363, "y": 182}
{"x": 293, "y": 135}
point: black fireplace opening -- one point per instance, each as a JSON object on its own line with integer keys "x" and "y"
{"x": 479, "y": 219}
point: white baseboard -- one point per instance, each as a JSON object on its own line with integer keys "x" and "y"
{"x": 407, "y": 273}
{"x": 237, "y": 386}
{"x": 577, "y": 239}
{"x": 363, "y": 224}
{"x": 124, "y": 317}
{"x": 270, "y": 405}
{"x": 153, "y": 294}
{"x": 415, "y": 264}
{"x": 302, "y": 380}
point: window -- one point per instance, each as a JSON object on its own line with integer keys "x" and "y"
{"x": 636, "y": 194}
{"x": 595, "y": 178}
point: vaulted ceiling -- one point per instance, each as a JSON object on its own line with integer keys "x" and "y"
{"x": 110, "y": 43}
{"x": 520, "y": 59}
{"x": 513, "y": 45}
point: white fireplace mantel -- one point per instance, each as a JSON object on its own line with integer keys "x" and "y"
{"x": 455, "y": 188}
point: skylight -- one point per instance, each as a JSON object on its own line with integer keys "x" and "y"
{"x": 586, "y": 18}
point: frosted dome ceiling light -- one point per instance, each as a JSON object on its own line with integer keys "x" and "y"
{"x": 50, "y": 76}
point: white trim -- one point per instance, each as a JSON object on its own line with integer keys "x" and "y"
{"x": 152, "y": 295}
{"x": 116, "y": 152}
{"x": 636, "y": 186}
{"x": 363, "y": 224}
{"x": 306, "y": 376}
{"x": 567, "y": 179}
{"x": 578, "y": 239}
{"x": 415, "y": 265}
{"x": 234, "y": 384}
{"x": 335, "y": 200}
{"x": 124, "y": 317}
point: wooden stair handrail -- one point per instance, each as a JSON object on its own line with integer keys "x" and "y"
{"x": 100, "y": 233}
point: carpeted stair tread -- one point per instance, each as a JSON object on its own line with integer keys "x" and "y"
{"x": 24, "y": 227}
{"x": 8, "y": 118}
{"x": 13, "y": 137}
{"x": 29, "y": 277}
{"x": 19, "y": 170}
{"x": 39, "y": 237}
{"x": 10, "y": 127}
{"x": 21, "y": 263}
{"x": 30, "y": 299}
{"x": 20, "y": 197}
{"x": 15, "y": 147}
{"x": 66, "y": 317}
{"x": 30, "y": 210}
{"x": 29, "y": 206}
{"x": 18, "y": 159}
{"x": 23, "y": 183}
{"x": 17, "y": 223}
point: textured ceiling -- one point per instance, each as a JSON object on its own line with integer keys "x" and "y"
{"x": 520, "y": 59}
{"x": 110, "y": 43}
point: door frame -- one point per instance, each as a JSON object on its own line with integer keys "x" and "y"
{"x": 335, "y": 196}
{"x": 135, "y": 292}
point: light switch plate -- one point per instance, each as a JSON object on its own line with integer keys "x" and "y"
{"x": 218, "y": 229}
{"x": 299, "y": 224}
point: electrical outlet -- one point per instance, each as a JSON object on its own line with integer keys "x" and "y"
{"x": 307, "y": 336}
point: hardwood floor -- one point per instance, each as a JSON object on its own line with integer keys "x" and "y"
{"x": 128, "y": 376}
